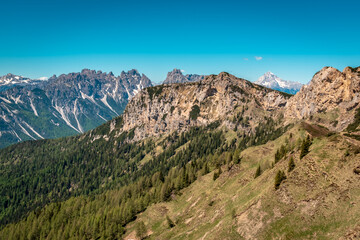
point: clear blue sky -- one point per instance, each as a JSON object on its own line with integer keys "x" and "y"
{"x": 295, "y": 39}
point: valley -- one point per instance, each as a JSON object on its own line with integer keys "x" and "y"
{"x": 218, "y": 158}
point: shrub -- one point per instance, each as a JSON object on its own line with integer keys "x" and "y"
{"x": 195, "y": 112}
{"x": 170, "y": 223}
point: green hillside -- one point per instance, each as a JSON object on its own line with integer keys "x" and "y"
{"x": 318, "y": 199}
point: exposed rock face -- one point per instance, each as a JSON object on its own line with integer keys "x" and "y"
{"x": 272, "y": 81}
{"x": 11, "y": 80}
{"x": 65, "y": 105}
{"x": 167, "y": 108}
{"x": 330, "y": 91}
{"x": 176, "y": 76}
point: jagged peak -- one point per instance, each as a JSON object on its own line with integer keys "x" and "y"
{"x": 132, "y": 72}
{"x": 87, "y": 71}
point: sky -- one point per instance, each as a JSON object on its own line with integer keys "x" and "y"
{"x": 293, "y": 39}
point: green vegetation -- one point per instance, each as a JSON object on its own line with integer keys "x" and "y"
{"x": 195, "y": 112}
{"x": 305, "y": 146}
{"x": 141, "y": 231}
{"x": 353, "y": 126}
{"x": 258, "y": 172}
{"x": 155, "y": 91}
{"x": 172, "y": 109}
{"x": 96, "y": 189}
{"x": 235, "y": 88}
{"x": 236, "y": 206}
{"x": 291, "y": 164}
{"x": 280, "y": 176}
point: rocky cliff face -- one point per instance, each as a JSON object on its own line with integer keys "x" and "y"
{"x": 166, "y": 108}
{"x": 330, "y": 98}
{"x": 65, "y": 105}
{"x": 176, "y": 76}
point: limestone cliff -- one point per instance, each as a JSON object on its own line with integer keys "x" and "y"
{"x": 165, "y": 108}
{"x": 330, "y": 98}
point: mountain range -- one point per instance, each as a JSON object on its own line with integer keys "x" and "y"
{"x": 177, "y": 76}
{"x": 220, "y": 158}
{"x": 270, "y": 80}
{"x": 10, "y": 81}
{"x": 65, "y": 105}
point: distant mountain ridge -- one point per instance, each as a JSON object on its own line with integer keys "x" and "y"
{"x": 205, "y": 139}
{"x": 10, "y": 80}
{"x": 65, "y": 105}
{"x": 270, "y": 80}
{"x": 177, "y": 76}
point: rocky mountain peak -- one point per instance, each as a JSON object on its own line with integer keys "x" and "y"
{"x": 272, "y": 81}
{"x": 11, "y": 80}
{"x": 166, "y": 108}
{"x": 331, "y": 97}
{"x": 176, "y": 76}
{"x": 64, "y": 105}
{"x": 86, "y": 71}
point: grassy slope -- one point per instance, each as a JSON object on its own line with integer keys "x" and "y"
{"x": 320, "y": 198}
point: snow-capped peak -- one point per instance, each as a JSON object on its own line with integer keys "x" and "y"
{"x": 270, "y": 80}
{"x": 11, "y": 80}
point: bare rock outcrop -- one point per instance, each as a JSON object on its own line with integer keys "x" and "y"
{"x": 330, "y": 91}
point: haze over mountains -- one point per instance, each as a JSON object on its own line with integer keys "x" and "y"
{"x": 65, "y": 105}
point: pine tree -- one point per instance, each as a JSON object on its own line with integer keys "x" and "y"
{"x": 280, "y": 176}
{"x": 305, "y": 147}
{"x": 217, "y": 174}
{"x": 236, "y": 157}
{"x": 205, "y": 169}
{"x": 277, "y": 156}
{"x": 291, "y": 164}
{"x": 258, "y": 172}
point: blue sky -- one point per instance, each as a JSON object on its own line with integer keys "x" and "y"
{"x": 293, "y": 39}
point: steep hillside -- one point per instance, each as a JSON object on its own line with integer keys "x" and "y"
{"x": 122, "y": 150}
{"x": 318, "y": 200}
{"x": 188, "y": 161}
{"x": 331, "y": 98}
{"x": 65, "y": 105}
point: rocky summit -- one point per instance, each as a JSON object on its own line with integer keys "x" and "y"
{"x": 329, "y": 99}
{"x": 176, "y": 76}
{"x": 178, "y": 107}
{"x": 66, "y": 105}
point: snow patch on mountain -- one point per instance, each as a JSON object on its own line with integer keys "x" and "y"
{"x": 270, "y": 80}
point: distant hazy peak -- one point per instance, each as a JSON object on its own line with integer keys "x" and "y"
{"x": 270, "y": 80}
{"x": 176, "y": 76}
